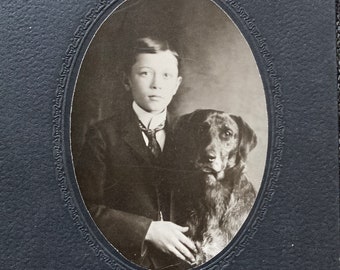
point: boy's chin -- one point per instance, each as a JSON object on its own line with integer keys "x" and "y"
{"x": 155, "y": 109}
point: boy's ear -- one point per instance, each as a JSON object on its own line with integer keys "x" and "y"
{"x": 126, "y": 81}
{"x": 179, "y": 81}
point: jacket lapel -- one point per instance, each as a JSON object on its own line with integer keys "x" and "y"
{"x": 169, "y": 142}
{"x": 133, "y": 136}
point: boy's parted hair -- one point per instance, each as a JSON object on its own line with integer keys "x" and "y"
{"x": 147, "y": 45}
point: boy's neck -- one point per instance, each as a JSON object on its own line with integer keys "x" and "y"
{"x": 149, "y": 120}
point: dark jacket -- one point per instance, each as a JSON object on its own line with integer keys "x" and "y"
{"x": 123, "y": 187}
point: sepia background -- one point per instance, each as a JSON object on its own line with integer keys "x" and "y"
{"x": 218, "y": 68}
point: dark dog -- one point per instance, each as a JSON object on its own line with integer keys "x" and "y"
{"x": 213, "y": 196}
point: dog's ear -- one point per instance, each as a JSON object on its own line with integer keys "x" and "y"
{"x": 186, "y": 123}
{"x": 184, "y": 134}
{"x": 183, "y": 127}
{"x": 248, "y": 139}
{"x": 181, "y": 124}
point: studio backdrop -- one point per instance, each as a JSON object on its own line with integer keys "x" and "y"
{"x": 217, "y": 65}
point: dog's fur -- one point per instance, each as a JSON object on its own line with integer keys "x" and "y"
{"x": 213, "y": 195}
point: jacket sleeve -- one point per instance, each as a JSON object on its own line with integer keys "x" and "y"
{"x": 123, "y": 230}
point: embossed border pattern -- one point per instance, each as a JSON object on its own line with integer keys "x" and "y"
{"x": 60, "y": 151}
{"x": 274, "y": 163}
{"x": 338, "y": 66}
{"x": 58, "y": 133}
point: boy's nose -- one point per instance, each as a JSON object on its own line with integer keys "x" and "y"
{"x": 156, "y": 81}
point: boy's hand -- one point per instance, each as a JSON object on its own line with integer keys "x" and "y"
{"x": 170, "y": 238}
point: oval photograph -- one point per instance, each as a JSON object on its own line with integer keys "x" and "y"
{"x": 169, "y": 131}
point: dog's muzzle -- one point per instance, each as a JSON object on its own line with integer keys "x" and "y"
{"x": 211, "y": 164}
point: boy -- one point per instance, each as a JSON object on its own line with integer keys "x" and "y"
{"x": 124, "y": 162}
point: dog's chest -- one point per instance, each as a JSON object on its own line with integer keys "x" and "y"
{"x": 217, "y": 199}
{"x": 215, "y": 239}
{"x": 215, "y": 235}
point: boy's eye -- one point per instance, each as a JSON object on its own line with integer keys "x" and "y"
{"x": 167, "y": 75}
{"x": 145, "y": 73}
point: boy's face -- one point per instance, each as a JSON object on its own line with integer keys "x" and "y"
{"x": 154, "y": 80}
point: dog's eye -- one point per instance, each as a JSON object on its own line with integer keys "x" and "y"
{"x": 227, "y": 133}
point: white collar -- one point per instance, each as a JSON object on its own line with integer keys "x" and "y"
{"x": 149, "y": 120}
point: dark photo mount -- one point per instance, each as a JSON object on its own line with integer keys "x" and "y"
{"x": 295, "y": 220}
{"x": 213, "y": 56}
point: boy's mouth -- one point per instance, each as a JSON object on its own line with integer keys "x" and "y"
{"x": 155, "y": 98}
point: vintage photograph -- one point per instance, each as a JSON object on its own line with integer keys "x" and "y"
{"x": 169, "y": 131}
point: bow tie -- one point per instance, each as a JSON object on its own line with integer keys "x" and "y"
{"x": 153, "y": 145}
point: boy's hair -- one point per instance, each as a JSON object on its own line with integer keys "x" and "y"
{"x": 147, "y": 45}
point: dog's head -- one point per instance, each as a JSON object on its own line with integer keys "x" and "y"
{"x": 213, "y": 141}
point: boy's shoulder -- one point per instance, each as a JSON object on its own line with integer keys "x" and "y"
{"x": 116, "y": 122}
{"x": 119, "y": 120}
{"x": 112, "y": 120}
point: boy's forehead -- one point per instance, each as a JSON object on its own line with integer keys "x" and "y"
{"x": 162, "y": 58}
